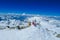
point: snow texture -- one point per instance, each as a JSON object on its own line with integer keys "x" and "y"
{"x": 47, "y": 27}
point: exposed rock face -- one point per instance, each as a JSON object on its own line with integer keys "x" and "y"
{"x": 58, "y": 35}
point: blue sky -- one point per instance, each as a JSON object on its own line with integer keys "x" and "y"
{"x": 43, "y": 7}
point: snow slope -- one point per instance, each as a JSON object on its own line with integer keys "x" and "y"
{"x": 47, "y": 28}
{"x": 30, "y": 33}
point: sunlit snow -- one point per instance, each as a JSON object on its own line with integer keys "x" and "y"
{"x": 45, "y": 27}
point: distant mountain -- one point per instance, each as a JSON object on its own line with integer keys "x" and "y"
{"x": 12, "y": 18}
